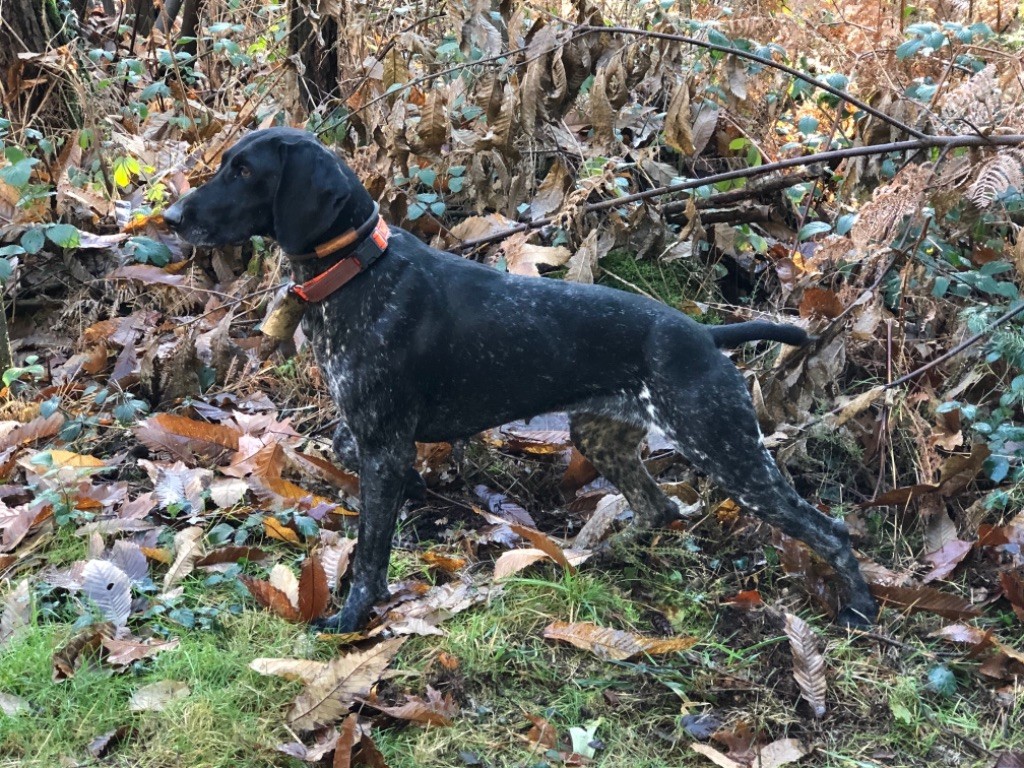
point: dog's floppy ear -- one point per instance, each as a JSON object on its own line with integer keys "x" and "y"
{"x": 311, "y": 194}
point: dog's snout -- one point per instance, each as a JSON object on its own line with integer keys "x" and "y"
{"x": 172, "y": 216}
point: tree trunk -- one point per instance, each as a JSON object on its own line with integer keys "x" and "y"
{"x": 35, "y": 26}
{"x": 319, "y": 80}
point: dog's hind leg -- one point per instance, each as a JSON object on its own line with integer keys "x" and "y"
{"x": 613, "y": 447}
{"x": 712, "y": 422}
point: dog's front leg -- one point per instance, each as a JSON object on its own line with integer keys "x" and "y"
{"x": 382, "y": 483}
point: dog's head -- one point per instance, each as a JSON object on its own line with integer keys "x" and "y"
{"x": 280, "y": 183}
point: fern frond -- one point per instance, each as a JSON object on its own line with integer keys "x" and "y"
{"x": 999, "y": 174}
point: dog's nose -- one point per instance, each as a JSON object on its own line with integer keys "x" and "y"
{"x": 172, "y": 216}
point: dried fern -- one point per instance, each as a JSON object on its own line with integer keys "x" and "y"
{"x": 999, "y": 174}
{"x": 977, "y": 101}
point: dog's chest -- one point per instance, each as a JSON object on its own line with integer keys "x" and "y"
{"x": 334, "y": 352}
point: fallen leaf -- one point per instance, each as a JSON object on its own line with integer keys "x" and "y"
{"x": 185, "y": 438}
{"x": 345, "y": 680}
{"x": 156, "y": 697}
{"x": 927, "y": 599}
{"x": 946, "y": 559}
{"x": 188, "y": 547}
{"x": 124, "y": 652}
{"x": 808, "y": 663}
{"x": 271, "y": 598}
{"x": 516, "y": 560}
{"x": 614, "y": 644}
{"x": 290, "y": 669}
{"x": 546, "y": 544}
{"x": 82, "y": 648}
{"x": 436, "y": 710}
{"x": 17, "y": 613}
{"x": 443, "y": 562}
{"x": 314, "y": 596}
{"x": 278, "y": 530}
{"x": 108, "y": 587}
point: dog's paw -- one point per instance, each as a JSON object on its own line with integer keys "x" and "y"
{"x": 342, "y": 623}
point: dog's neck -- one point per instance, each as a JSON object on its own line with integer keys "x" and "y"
{"x": 355, "y": 215}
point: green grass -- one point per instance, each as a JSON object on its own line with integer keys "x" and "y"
{"x": 232, "y": 717}
{"x": 881, "y": 711}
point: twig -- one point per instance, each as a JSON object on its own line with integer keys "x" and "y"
{"x": 739, "y": 195}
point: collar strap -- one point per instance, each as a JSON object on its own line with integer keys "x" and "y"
{"x": 366, "y": 251}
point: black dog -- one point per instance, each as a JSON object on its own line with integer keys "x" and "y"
{"x": 423, "y": 345}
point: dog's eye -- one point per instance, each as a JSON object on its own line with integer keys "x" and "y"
{"x": 244, "y": 171}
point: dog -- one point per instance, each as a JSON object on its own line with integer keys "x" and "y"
{"x": 420, "y": 345}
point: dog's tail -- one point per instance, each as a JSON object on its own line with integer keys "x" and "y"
{"x": 757, "y": 330}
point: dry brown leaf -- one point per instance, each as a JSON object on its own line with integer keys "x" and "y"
{"x": 82, "y": 648}
{"x": 476, "y": 227}
{"x": 444, "y": 562}
{"x": 185, "y": 438}
{"x": 808, "y": 663}
{"x": 945, "y": 560}
{"x": 275, "y": 529}
{"x": 436, "y": 710}
{"x": 927, "y": 599}
{"x": 156, "y": 697}
{"x": 678, "y": 133}
{"x": 17, "y": 612}
{"x": 188, "y": 547}
{"x": 224, "y": 556}
{"x": 718, "y": 758}
{"x": 614, "y": 644}
{"x": 523, "y": 258}
{"x": 305, "y": 670}
{"x": 546, "y": 544}
{"x": 325, "y": 471}
{"x": 271, "y": 598}
{"x": 335, "y": 559}
{"x": 124, "y": 652}
{"x": 582, "y": 267}
{"x": 314, "y": 596}
{"x": 856, "y": 406}
{"x": 283, "y": 578}
{"x": 345, "y": 680}
{"x": 61, "y": 458}
{"x": 148, "y": 275}
{"x": 820, "y": 303}
{"x": 38, "y": 429}
{"x": 421, "y": 616}
{"x": 516, "y": 560}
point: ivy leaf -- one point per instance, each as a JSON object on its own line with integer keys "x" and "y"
{"x": 909, "y": 48}
{"x": 63, "y": 235}
{"x": 33, "y": 240}
{"x": 17, "y": 175}
{"x": 149, "y": 251}
{"x": 812, "y": 228}
{"x": 807, "y": 125}
{"x": 845, "y": 223}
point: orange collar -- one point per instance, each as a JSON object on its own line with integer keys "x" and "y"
{"x": 368, "y": 248}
